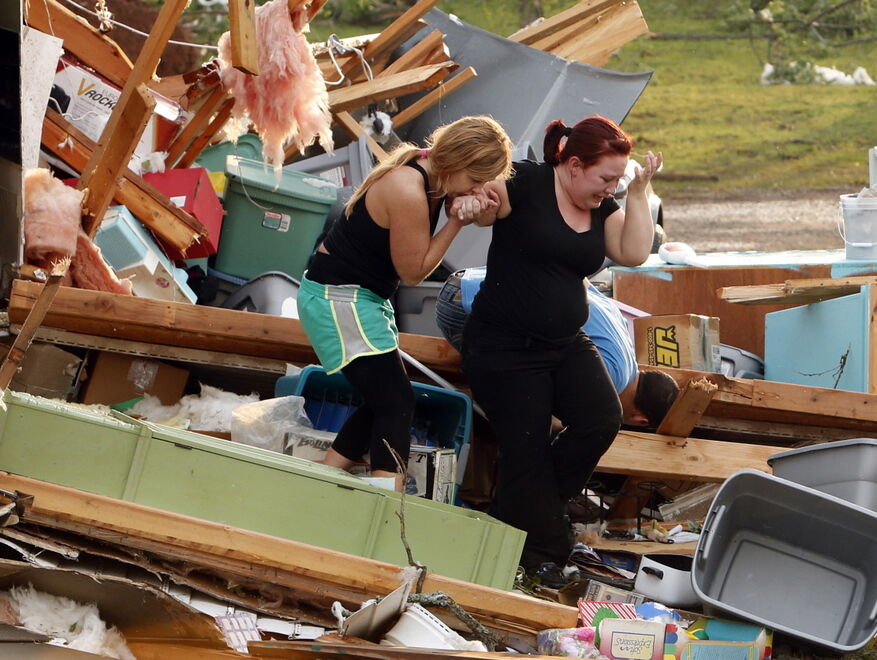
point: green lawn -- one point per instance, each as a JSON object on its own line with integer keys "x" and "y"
{"x": 721, "y": 131}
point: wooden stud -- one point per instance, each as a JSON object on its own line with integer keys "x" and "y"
{"x": 688, "y": 408}
{"x": 82, "y": 40}
{"x": 111, "y": 157}
{"x": 242, "y": 31}
{"x": 218, "y": 121}
{"x": 13, "y": 360}
{"x": 561, "y": 20}
{"x": 436, "y": 95}
{"x": 381, "y": 89}
{"x": 416, "y": 55}
{"x": 607, "y": 32}
{"x": 803, "y": 291}
{"x": 196, "y": 125}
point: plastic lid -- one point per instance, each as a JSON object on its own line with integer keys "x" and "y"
{"x": 257, "y": 174}
{"x": 821, "y": 446}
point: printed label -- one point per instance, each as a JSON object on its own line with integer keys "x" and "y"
{"x": 632, "y": 646}
{"x": 663, "y": 347}
{"x": 276, "y": 221}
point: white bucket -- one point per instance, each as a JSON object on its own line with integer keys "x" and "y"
{"x": 859, "y": 229}
{"x": 419, "y": 628}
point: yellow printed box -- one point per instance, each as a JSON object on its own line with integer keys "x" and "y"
{"x": 685, "y": 341}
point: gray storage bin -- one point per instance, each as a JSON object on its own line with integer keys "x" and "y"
{"x": 738, "y": 363}
{"x": 415, "y": 308}
{"x": 790, "y": 558}
{"x": 845, "y": 469}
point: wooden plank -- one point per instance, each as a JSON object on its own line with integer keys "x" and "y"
{"x": 687, "y": 409}
{"x": 643, "y": 547}
{"x": 158, "y": 351}
{"x": 82, "y": 40}
{"x": 355, "y": 131}
{"x": 12, "y": 362}
{"x": 428, "y": 100}
{"x": 242, "y": 30}
{"x": 416, "y": 55}
{"x": 607, "y": 33}
{"x": 218, "y": 121}
{"x": 112, "y": 155}
{"x": 802, "y": 291}
{"x": 196, "y": 124}
{"x": 381, "y": 89}
{"x": 250, "y": 553}
{"x": 561, "y": 20}
{"x": 151, "y": 207}
{"x": 318, "y": 650}
{"x": 663, "y": 457}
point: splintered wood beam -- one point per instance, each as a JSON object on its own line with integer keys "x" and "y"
{"x": 605, "y": 34}
{"x": 295, "y": 650}
{"x": 314, "y": 8}
{"x": 688, "y": 408}
{"x": 107, "y": 162}
{"x": 252, "y": 555}
{"x": 196, "y": 125}
{"x": 355, "y": 131}
{"x": 428, "y": 100}
{"x": 80, "y": 39}
{"x": 561, "y": 20}
{"x": 242, "y": 30}
{"x": 392, "y": 35}
{"x": 803, "y": 291}
{"x": 218, "y": 121}
{"x": 171, "y": 223}
{"x": 388, "y": 87}
{"x": 12, "y": 362}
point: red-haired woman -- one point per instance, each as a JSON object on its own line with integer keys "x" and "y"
{"x": 524, "y": 353}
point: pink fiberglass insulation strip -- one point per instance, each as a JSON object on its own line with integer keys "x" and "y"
{"x": 287, "y": 101}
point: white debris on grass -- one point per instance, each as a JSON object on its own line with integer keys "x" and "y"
{"x": 805, "y": 72}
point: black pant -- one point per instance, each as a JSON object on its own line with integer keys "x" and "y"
{"x": 520, "y": 387}
{"x": 387, "y": 411}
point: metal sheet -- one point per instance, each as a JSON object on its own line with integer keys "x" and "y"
{"x": 521, "y": 87}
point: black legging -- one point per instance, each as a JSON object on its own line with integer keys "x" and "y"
{"x": 386, "y": 412}
{"x": 520, "y": 387}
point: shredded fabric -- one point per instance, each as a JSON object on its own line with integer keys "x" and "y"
{"x": 287, "y": 101}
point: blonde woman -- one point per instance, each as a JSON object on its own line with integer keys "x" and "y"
{"x": 387, "y": 234}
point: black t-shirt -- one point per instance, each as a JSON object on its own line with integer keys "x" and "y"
{"x": 359, "y": 250}
{"x": 536, "y": 262}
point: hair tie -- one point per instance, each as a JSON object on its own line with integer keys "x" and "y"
{"x": 424, "y": 153}
{"x": 567, "y": 131}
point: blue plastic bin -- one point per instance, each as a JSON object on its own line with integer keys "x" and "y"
{"x": 441, "y": 417}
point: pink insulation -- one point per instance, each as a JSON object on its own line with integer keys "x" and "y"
{"x": 90, "y": 271}
{"x": 287, "y": 101}
{"x": 52, "y": 215}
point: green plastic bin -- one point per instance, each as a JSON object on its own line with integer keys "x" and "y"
{"x": 269, "y": 226}
{"x": 213, "y": 158}
{"x": 249, "y": 488}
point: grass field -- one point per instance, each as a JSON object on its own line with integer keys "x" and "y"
{"x": 722, "y": 132}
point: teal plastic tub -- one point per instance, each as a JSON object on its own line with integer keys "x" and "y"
{"x": 270, "y": 224}
{"x": 250, "y": 488}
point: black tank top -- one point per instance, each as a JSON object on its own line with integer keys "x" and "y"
{"x": 536, "y": 263}
{"x": 359, "y": 249}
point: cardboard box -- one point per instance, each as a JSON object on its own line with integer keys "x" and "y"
{"x": 310, "y": 444}
{"x": 431, "y": 473}
{"x": 46, "y": 371}
{"x": 114, "y": 378}
{"x": 87, "y": 100}
{"x": 685, "y": 341}
{"x": 623, "y": 639}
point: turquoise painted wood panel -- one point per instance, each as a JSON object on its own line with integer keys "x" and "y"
{"x": 823, "y": 344}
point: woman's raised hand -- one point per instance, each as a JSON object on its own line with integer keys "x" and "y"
{"x": 645, "y": 172}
